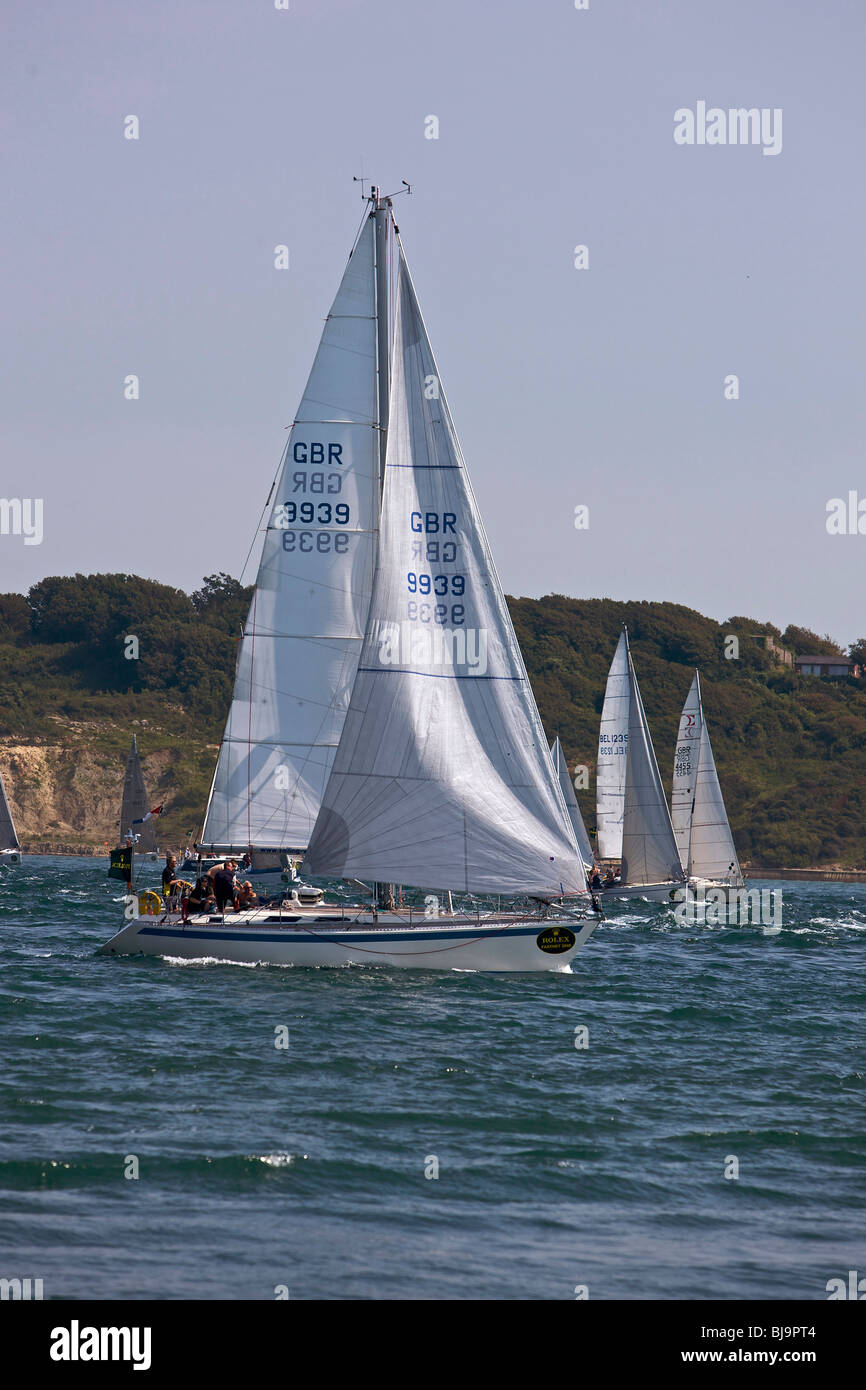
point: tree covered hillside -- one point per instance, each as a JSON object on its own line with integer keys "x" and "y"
{"x": 791, "y": 750}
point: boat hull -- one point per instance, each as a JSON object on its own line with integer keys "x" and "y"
{"x": 10, "y": 856}
{"x": 506, "y": 943}
{"x": 673, "y": 892}
{"x": 651, "y": 892}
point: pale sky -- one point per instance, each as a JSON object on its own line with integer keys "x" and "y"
{"x": 602, "y": 386}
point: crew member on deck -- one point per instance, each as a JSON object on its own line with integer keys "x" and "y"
{"x": 171, "y": 884}
{"x": 201, "y": 898}
{"x": 247, "y": 896}
{"x": 222, "y": 876}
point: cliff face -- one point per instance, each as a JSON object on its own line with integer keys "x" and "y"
{"x": 65, "y": 795}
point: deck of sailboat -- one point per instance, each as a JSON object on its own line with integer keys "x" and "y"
{"x": 354, "y": 917}
{"x": 545, "y": 940}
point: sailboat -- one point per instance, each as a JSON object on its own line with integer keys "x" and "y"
{"x": 10, "y": 849}
{"x": 135, "y": 810}
{"x": 651, "y": 866}
{"x": 383, "y": 728}
{"x": 700, "y": 821}
{"x": 565, "y": 782}
{"x": 612, "y": 752}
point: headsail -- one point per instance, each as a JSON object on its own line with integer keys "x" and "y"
{"x": 686, "y": 760}
{"x": 711, "y": 852}
{"x": 443, "y": 774}
{"x": 568, "y": 794}
{"x": 8, "y": 836}
{"x": 301, "y": 642}
{"x": 649, "y": 849}
{"x": 135, "y": 805}
{"x": 612, "y": 753}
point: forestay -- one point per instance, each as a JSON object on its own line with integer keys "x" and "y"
{"x": 570, "y": 799}
{"x": 649, "y": 849}
{"x": 135, "y": 805}
{"x": 301, "y": 642}
{"x": 443, "y": 774}
{"x": 612, "y": 755}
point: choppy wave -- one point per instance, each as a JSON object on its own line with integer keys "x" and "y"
{"x": 434, "y": 1135}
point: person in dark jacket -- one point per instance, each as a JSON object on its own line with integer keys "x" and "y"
{"x": 222, "y": 876}
{"x": 201, "y": 897}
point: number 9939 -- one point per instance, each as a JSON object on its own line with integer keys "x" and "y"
{"x": 440, "y": 585}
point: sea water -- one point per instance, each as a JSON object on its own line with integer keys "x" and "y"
{"x": 680, "y": 1117}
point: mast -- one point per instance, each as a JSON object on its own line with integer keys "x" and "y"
{"x": 384, "y": 895}
{"x": 382, "y": 214}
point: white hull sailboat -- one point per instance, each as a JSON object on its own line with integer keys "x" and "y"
{"x": 10, "y": 849}
{"x": 612, "y": 753}
{"x": 651, "y": 866}
{"x": 698, "y": 814}
{"x": 362, "y": 936}
{"x": 383, "y": 729}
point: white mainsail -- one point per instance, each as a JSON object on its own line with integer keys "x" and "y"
{"x": 686, "y": 760}
{"x": 710, "y": 851}
{"x": 649, "y": 848}
{"x": 443, "y": 774}
{"x": 301, "y": 642}
{"x": 8, "y": 835}
{"x": 135, "y": 805}
{"x": 570, "y": 799}
{"x": 612, "y": 755}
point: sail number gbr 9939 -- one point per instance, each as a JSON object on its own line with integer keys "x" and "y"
{"x": 314, "y": 482}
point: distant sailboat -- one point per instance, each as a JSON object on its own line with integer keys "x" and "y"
{"x": 10, "y": 849}
{"x": 135, "y": 810}
{"x": 583, "y": 841}
{"x": 651, "y": 865}
{"x": 612, "y": 752}
{"x": 700, "y": 821}
{"x": 383, "y": 726}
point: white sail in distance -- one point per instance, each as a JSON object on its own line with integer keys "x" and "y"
{"x": 8, "y": 834}
{"x": 649, "y": 848}
{"x": 612, "y": 755}
{"x": 443, "y": 774}
{"x": 710, "y": 846}
{"x": 686, "y": 760}
{"x": 568, "y": 793}
{"x": 302, "y": 639}
{"x": 135, "y": 805}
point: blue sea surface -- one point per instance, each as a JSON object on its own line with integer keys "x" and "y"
{"x": 264, "y": 1170}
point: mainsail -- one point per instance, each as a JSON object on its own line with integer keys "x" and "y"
{"x": 135, "y": 805}
{"x": 709, "y": 844}
{"x": 565, "y": 782}
{"x": 612, "y": 754}
{"x": 443, "y": 774}
{"x": 300, "y": 648}
{"x": 686, "y": 770}
{"x": 8, "y": 836}
{"x": 649, "y": 849}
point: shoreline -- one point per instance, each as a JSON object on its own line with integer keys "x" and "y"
{"x": 810, "y": 875}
